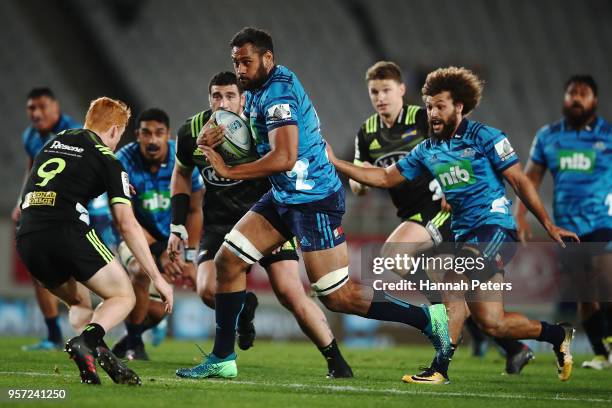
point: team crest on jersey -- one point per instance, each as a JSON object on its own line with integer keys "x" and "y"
{"x": 389, "y": 159}
{"x": 504, "y": 149}
{"x": 279, "y": 112}
{"x": 469, "y": 152}
{"x": 599, "y": 145}
{"x": 211, "y": 177}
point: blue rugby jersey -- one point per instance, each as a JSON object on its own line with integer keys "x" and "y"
{"x": 469, "y": 169}
{"x": 101, "y": 220}
{"x": 33, "y": 141}
{"x": 282, "y": 101}
{"x": 580, "y": 162}
{"x": 152, "y": 200}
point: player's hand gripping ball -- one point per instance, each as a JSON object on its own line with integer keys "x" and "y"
{"x": 237, "y": 145}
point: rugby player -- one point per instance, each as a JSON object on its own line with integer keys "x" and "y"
{"x": 469, "y": 160}
{"x": 225, "y": 202}
{"x": 306, "y": 201}
{"x": 576, "y": 150}
{"x": 46, "y": 120}
{"x": 61, "y": 250}
{"x": 384, "y": 139}
{"x": 149, "y": 162}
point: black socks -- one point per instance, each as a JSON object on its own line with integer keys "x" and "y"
{"x": 227, "y": 311}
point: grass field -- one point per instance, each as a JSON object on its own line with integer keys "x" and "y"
{"x": 292, "y": 375}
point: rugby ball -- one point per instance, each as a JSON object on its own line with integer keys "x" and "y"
{"x": 237, "y": 146}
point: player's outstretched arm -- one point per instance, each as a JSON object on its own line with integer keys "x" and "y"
{"x": 535, "y": 173}
{"x": 16, "y": 213}
{"x": 180, "y": 192}
{"x": 282, "y": 157}
{"x": 132, "y": 233}
{"x": 525, "y": 190}
{"x": 357, "y": 188}
{"x": 370, "y": 176}
{"x": 194, "y": 224}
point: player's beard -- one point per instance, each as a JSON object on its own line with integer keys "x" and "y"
{"x": 257, "y": 82}
{"x": 447, "y": 129}
{"x": 578, "y": 118}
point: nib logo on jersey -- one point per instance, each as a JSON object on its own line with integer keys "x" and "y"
{"x": 576, "y": 160}
{"x": 155, "y": 202}
{"x": 453, "y": 175}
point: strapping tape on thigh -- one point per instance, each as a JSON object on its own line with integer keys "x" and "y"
{"x": 242, "y": 247}
{"x": 331, "y": 282}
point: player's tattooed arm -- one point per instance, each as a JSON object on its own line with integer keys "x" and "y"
{"x": 524, "y": 189}
{"x": 534, "y": 172}
{"x": 371, "y": 176}
{"x": 282, "y": 157}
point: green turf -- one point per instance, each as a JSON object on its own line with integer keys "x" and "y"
{"x": 292, "y": 375}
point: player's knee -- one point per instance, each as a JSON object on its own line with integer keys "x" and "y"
{"x": 129, "y": 297}
{"x": 339, "y": 302}
{"x": 207, "y": 294}
{"x": 140, "y": 278}
{"x": 156, "y": 311}
{"x": 491, "y": 326}
{"x": 78, "y": 299}
{"x": 236, "y": 255}
{"x": 342, "y": 300}
{"x": 290, "y": 299}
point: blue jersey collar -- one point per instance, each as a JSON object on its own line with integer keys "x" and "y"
{"x": 269, "y": 79}
{"x": 461, "y": 129}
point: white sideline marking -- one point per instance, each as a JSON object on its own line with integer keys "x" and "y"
{"x": 340, "y": 388}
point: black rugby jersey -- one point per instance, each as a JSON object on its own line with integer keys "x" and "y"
{"x": 382, "y": 147}
{"x": 225, "y": 201}
{"x": 71, "y": 169}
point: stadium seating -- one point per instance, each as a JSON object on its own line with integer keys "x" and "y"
{"x": 523, "y": 49}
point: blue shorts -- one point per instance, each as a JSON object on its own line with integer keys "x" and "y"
{"x": 497, "y": 245}
{"x": 316, "y": 225}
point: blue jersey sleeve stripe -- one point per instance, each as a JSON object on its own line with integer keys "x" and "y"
{"x": 506, "y": 165}
{"x": 537, "y": 161}
{"x": 288, "y": 98}
{"x": 281, "y": 124}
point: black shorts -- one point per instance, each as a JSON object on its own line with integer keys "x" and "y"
{"x": 435, "y": 218}
{"x": 212, "y": 241}
{"x": 55, "y": 255}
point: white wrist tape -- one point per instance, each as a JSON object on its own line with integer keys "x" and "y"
{"x": 190, "y": 254}
{"x": 179, "y": 230}
{"x": 331, "y": 282}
